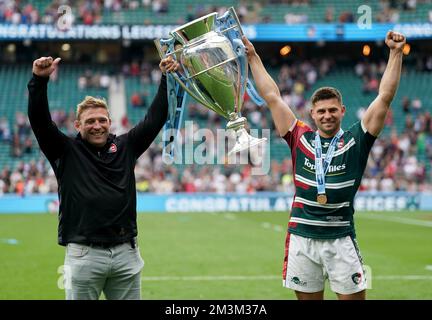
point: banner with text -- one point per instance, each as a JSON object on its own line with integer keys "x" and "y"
{"x": 210, "y": 202}
{"x": 303, "y": 32}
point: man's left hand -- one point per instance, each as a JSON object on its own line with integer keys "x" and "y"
{"x": 169, "y": 65}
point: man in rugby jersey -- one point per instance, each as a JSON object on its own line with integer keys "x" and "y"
{"x": 328, "y": 165}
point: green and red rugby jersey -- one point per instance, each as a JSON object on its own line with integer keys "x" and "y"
{"x": 335, "y": 218}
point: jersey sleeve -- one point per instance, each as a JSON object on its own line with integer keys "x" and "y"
{"x": 362, "y": 136}
{"x": 295, "y": 133}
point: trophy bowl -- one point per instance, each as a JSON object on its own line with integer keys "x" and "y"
{"x": 215, "y": 69}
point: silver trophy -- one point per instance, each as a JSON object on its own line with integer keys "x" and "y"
{"x": 214, "y": 69}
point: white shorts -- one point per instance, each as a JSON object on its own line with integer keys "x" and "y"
{"x": 309, "y": 262}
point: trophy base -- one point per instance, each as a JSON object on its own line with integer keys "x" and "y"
{"x": 245, "y": 141}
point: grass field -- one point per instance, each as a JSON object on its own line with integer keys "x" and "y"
{"x": 220, "y": 256}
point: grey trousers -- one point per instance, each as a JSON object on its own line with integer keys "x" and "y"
{"x": 115, "y": 271}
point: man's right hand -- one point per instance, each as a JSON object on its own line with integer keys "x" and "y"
{"x": 44, "y": 66}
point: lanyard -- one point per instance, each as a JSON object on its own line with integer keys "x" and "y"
{"x": 322, "y": 165}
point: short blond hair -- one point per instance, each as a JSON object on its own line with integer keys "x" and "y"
{"x": 90, "y": 102}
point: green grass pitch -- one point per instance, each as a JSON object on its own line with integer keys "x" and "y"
{"x": 220, "y": 255}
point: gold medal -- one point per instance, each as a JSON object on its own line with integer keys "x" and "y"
{"x": 322, "y": 198}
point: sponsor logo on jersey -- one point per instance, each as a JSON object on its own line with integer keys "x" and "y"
{"x": 332, "y": 168}
{"x": 112, "y": 148}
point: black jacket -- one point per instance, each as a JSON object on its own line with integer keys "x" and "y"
{"x": 96, "y": 186}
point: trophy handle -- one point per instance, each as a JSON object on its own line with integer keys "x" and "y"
{"x": 176, "y": 101}
{"x": 226, "y": 21}
{"x": 234, "y": 15}
{"x": 234, "y": 32}
{"x": 163, "y": 54}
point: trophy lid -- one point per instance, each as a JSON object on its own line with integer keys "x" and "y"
{"x": 195, "y": 28}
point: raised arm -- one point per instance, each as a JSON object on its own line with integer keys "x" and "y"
{"x": 50, "y": 139}
{"x": 376, "y": 113}
{"x": 143, "y": 134}
{"x": 282, "y": 115}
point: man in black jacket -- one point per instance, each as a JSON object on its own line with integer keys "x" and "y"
{"x": 96, "y": 187}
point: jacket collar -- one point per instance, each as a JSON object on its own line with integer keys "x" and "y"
{"x": 93, "y": 148}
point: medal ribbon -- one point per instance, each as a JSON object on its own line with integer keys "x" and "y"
{"x": 322, "y": 165}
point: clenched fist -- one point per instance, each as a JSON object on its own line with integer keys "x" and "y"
{"x": 395, "y": 40}
{"x": 44, "y": 66}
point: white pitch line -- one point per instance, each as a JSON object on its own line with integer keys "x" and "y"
{"x": 210, "y": 278}
{"x": 278, "y": 228}
{"x": 266, "y": 225}
{"x": 275, "y": 227}
{"x": 230, "y": 216}
{"x": 406, "y": 277}
{"x": 382, "y": 217}
{"x": 269, "y": 277}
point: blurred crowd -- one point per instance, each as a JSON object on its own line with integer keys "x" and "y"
{"x": 91, "y": 12}
{"x": 84, "y": 11}
{"x": 398, "y": 160}
{"x": 94, "y": 79}
{"x": 19, "y": 136}
{"x": 396, "y": 163}
{"x": 28, "y": 178}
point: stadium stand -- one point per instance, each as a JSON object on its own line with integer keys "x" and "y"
{"x": 65, "y": 93}
{"x": 402, "y": 155}
{"x": 177, "y": 12}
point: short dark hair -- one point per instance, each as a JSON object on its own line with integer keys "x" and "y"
{"x": 325, "y": 93}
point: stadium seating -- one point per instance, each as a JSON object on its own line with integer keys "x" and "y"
{"x": 315, "y": 12}
{"x": 134, "y": 85}
{"x": 40, "y": 5}
{"x": 63, "y": 94}
{"x": 177, "y": 11}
